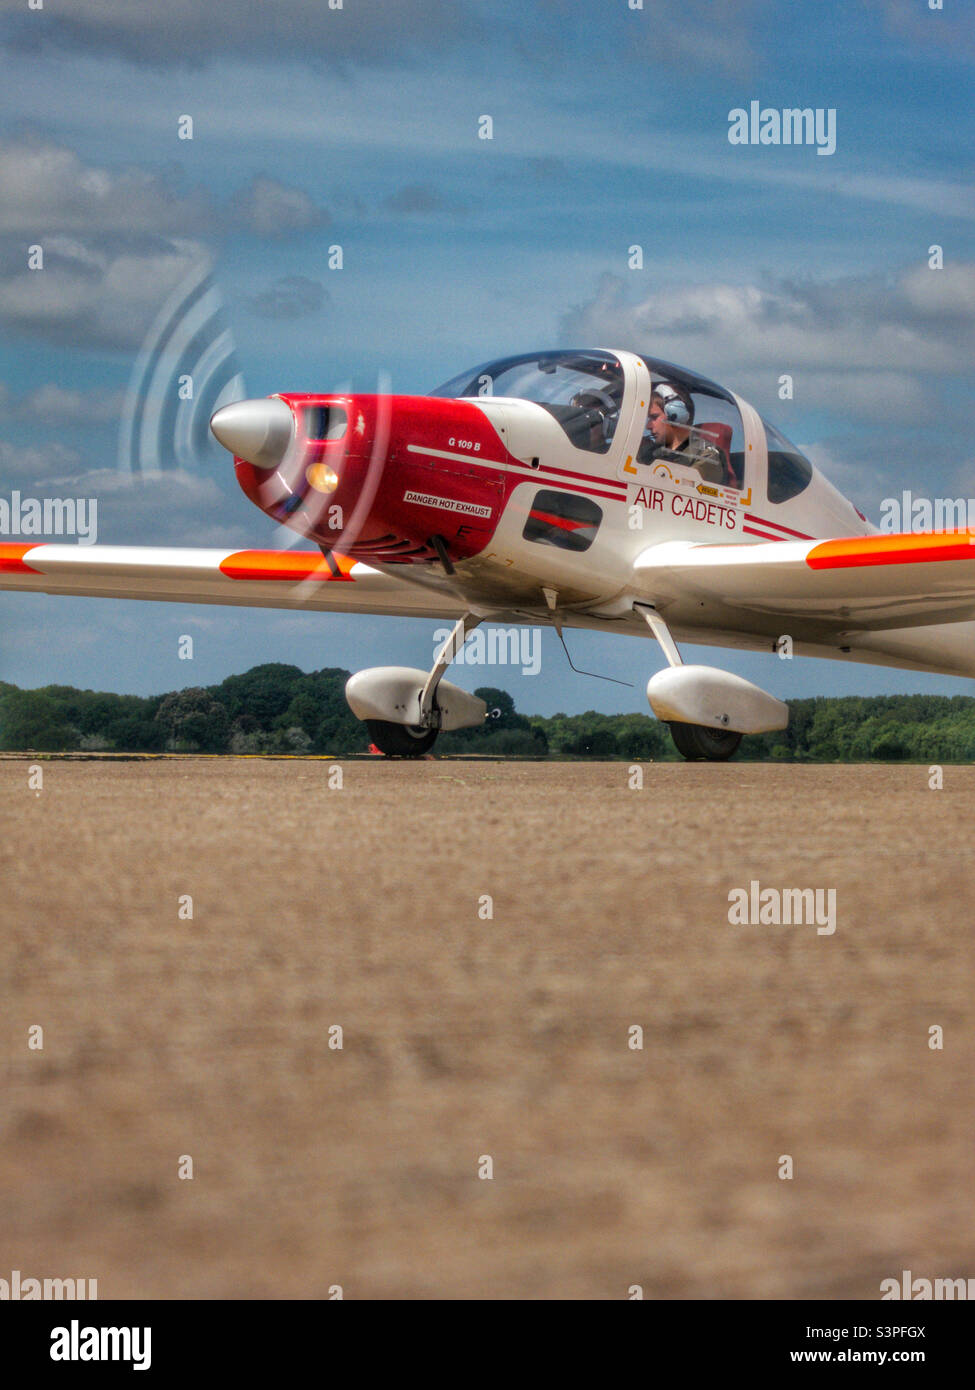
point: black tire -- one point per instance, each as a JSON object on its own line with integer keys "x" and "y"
{"x": 696, "y": 742}
{"x": 400, "y": 740}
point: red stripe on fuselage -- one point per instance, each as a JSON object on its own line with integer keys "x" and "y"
{"x": 777, "y": 526}
{"x": 586, "y": 477}
{"x": 565, "y": 487}
{"x": 764, "y": 535}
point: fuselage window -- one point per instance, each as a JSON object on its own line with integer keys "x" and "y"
{"x": 563, "y": 519}
{"x": 789, "y": 472}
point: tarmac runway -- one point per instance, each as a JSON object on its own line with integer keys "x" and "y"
{"x": 469, "y": 1037}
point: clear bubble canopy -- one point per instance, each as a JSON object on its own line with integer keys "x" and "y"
{"x": 583, "y": 389}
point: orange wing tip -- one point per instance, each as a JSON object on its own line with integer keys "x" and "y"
{"x": 891, "y": 550}
{"x": 12, "y": 558}
{"x": 293, "y": 565}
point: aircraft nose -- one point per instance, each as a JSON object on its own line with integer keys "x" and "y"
{"x": 257, "y": 431}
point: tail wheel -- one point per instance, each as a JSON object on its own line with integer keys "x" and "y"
{"x": 400, "y": 740}
{"x": 697, "y": 741}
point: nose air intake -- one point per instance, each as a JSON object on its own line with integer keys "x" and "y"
{"x": 259, "y": 432}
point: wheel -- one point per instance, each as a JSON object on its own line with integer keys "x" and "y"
{"x": 400, "y": 740}
{"x": 697, "y": 741}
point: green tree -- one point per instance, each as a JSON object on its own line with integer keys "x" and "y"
{"x": 319, "y": 707}
{"x": 135, "y": 733}
{"x": 193, "y": 720}
{"x": 32, "y": 719}
{"x": 264, "y": 692}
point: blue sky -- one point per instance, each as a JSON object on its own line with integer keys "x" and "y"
{"x": 358, "y": 127}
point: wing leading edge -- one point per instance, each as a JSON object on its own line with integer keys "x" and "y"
{"x": 248, "y": 578}
{"x": 866, "y": 582}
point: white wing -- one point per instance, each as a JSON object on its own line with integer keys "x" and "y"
{"x": 251, "y": 578}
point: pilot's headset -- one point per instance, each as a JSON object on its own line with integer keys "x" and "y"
{"x": 678, "y": 409}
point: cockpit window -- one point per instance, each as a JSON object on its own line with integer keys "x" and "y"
{"x": 582, "y": 390}
{"x": 789, "y": 471}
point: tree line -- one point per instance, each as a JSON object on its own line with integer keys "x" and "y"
{"x": 277, "y": 708}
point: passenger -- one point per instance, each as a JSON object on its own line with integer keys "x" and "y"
{"x": 669, "y": 436}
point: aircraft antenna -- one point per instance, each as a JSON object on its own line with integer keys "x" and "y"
{"x": 596, "y": 674}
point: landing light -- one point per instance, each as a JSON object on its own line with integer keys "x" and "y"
{"x": 321, "y": 477}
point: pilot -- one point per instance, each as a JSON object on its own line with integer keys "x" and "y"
{"x": 669, "y": 437}
{"x": 598, "y": 413}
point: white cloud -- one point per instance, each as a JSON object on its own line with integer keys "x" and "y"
{"x": 46, "y": 189}
{"x": 272, "y": 209}
{"x": 115, "y": 243}
{"x": 921, "y": 321}
{"x": 859, "y": 478}
{"x": 93, "y": 297}
{"x": 54, "y": 405}
{"x": 35, "y": 463}
{"x": 173, "y": 508}
{"x": 868, "y": 395}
